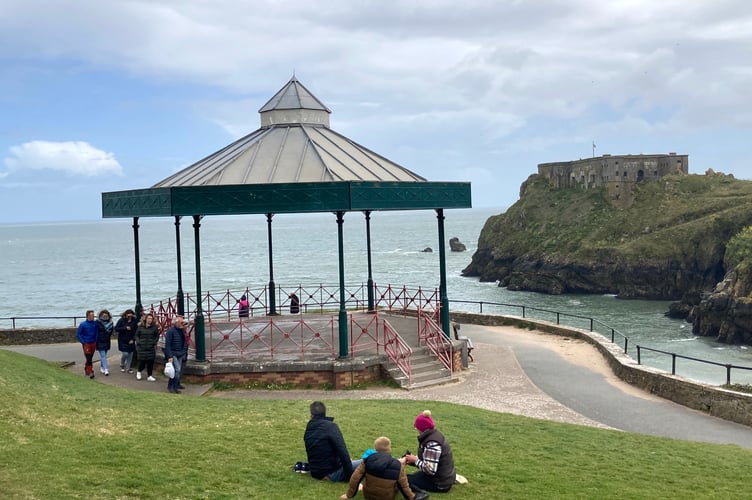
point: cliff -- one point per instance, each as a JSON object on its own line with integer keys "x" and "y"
{"x": 726, "y": 311}
{"x": 668, "y": 244}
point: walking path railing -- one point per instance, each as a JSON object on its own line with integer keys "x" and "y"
{"x": 592, "y": 325}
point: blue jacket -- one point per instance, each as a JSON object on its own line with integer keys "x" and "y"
{"x": 175, "y": 344}
{"x": 87, "y": 331}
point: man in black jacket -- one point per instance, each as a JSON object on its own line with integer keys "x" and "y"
{"x": 328, "y": 457}
{"x": 176, "y": 351}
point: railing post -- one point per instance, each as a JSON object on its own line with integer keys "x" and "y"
{"x": 481, "y": 307}
{"x": 591, "y": 324}
{"x": 673, "y": 364}
{"x": 626, "y": 343}
{"x": 523, "y": 311}
{"x": 613, "y": 335}
{"x": 638, "y": 354}
{"x": 728, "y": 374}
{"x": 557, "y": 317}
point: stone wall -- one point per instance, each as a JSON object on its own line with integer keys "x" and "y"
{"x": 37, "y": 336}
{"x": 710, "y": 399}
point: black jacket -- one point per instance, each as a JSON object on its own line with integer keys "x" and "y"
{"x": 126, "y": 338}
{"x": 326, "y": 448}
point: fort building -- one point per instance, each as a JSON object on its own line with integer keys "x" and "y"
{"x": 618, "y": 173}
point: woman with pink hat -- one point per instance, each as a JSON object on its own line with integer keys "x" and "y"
{"x": 434, "y": 460}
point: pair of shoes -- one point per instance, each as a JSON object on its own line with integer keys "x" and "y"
{"x": 301, "y": 467}
{"x": 151, "y": 379}
{"x": 129, "y": 371}
{"x": 122, "y": 370}
{"x": 138, "y": 375}
{"x": 106, "y": 372}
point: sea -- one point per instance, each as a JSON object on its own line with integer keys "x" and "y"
{"x": 62, "y": 269}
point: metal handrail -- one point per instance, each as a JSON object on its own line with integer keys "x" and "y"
{"x": 673, "y": 355}
{"x": 612, "y": 332}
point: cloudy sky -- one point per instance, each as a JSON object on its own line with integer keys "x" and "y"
{"x": 106, "y": 95}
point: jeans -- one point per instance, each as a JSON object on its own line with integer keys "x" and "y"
{"x": 103, "y": 359}
{"x": 420, "y": 480}
{"x": 339, "y": 474}
{"x": 126, "y": 359}
{"x": 174, "y": 382}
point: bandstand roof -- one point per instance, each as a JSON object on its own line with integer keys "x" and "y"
{"x": 293, "y": 163}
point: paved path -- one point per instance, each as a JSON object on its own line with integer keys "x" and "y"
{"x": 515, "y": 371}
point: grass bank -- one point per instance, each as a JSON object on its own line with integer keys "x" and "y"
{"x": 65, "y": 436}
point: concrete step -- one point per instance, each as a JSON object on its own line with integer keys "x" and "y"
{"x": 426, "y": 371}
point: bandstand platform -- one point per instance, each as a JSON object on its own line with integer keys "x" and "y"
{"x": 302, "y": 351}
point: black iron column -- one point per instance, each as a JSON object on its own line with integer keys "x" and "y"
{"x": 180, "y": 298}
{"x": 371, "y": 306}
{"x": 272, "y": 287}
{"x": 343, "y": 347}
{"x": 442, "y": 275}
{"x": 136, "y": 253}
{"x": 199, "y": 317}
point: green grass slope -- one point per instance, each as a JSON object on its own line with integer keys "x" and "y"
{"x": 65, "y": 436}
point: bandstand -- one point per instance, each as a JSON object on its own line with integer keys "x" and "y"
{"x": 294, "y": 163}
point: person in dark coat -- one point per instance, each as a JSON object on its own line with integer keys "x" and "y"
{"x": 176, "y": 352}
{"x": 294, "y": 304}
{"x": 87, "y": 334}
{"x": 104, "y": 339}
{"x": 147, "y": 337}
{"x": 328, "y": 457}
{"x": 126, "y": 331}
{"x": 384, "y": 475}
{"x": 434, "y": 460}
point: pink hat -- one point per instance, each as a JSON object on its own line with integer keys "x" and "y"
{"x": 424, "y": 421}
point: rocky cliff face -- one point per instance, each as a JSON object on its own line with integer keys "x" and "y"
{"x": 726, "y": 311}
{"x": 669, "y": 244}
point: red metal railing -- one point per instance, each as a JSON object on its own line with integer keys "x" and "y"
{"x": 398, "y": 351}
{"x": 430, "y": 332}
{"x": 272, "y": 336}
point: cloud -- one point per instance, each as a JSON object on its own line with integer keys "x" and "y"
{"x": 73, "y": 157}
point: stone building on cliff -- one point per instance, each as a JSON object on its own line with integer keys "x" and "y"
{"x": 618, "y": 174}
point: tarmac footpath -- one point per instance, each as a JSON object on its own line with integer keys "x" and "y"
{"x": 515, "y": 371}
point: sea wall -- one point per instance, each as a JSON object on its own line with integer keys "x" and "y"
{"x": 24, "y": 336}
{"x": 718, "y": 402}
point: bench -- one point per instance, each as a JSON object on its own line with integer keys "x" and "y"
{"x": 468, "y": 342}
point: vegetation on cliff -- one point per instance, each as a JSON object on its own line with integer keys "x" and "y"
{"x": 670, "y": 243}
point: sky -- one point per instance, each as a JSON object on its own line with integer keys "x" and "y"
{"x": 110, "y": 95}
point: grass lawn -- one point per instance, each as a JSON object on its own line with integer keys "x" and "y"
{"x": 65, "y": 436}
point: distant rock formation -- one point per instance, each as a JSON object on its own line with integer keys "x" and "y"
{"x": 455, "y": 245}
{"x": 427, "y": 250}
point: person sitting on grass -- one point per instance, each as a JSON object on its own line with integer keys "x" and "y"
{"x": 384, "y": 475}
{"x": 328, "y": 457}
{"x": 434, "y": 460}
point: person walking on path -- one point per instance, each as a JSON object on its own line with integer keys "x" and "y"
{"x": 147, "y": 337}
{"x": 104, "y": 339}
{"x": 87, "y": 334}
{"x": 384, "y": 475}
{"x": 434, "y": 460}
{"x": 328, "y": 457}
{"x": 176, "y": 351}
{"x": 126, "y": 331}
